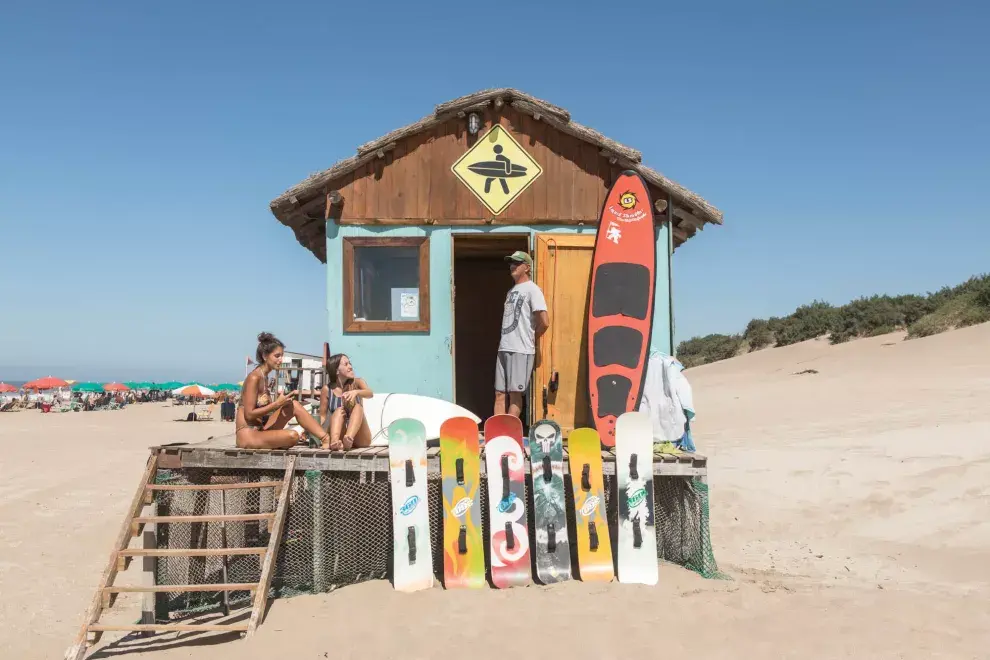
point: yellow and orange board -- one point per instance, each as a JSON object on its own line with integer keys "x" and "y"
{"x": 594, "y": 545}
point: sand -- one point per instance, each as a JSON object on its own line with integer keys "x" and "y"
{"x": 851, "y": 508}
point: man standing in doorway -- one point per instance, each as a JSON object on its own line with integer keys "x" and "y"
{"x": 524, "y": 319}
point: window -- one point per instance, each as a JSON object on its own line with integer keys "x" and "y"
{"x": 386, "y": 284}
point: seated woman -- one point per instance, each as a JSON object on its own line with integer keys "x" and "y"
{"x": 341, "y": 398}
{"x": 261, "y": 418}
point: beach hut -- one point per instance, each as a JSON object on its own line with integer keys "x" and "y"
{"x": 414, "y": 228}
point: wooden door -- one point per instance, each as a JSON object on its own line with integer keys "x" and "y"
{"x": 563, "y": 273}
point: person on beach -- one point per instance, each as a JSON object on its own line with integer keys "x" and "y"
{"x": 524, "y": 320}
{"x": 261, "y": 417}
{"x": 341, "y": 400}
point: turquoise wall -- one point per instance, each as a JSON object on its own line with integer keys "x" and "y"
{"x": 421, "y": 363}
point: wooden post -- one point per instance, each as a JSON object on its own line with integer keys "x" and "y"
{"x": 670, "y": 269}
{"x": 152, "y": 602}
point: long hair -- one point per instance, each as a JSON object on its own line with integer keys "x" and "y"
{"x": 332, "y": 365}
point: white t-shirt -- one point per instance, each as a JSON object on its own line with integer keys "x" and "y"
{"x": 522, "y": 301}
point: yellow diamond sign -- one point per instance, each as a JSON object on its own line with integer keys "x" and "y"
{"x": 496, "y": 169}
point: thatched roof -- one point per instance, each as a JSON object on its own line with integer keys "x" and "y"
{"x": 301, "y": 206}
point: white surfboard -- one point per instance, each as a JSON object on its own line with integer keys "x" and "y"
{"x": 384, "y": 408}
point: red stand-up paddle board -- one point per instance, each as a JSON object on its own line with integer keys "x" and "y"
{"x": 620, "y": 316}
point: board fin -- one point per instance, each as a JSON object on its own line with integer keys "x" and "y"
{"x": 586, "y": 477}
{"x": 633, "y": 470}
{"x": 462, "y": 540}
{"x": 459, "y": 468}
{"x": 510, "y": 537}
{"x": 637, "y": 534}
{"x": 410, "y": 475}
{"x": 411, "y": 540}
{"x": 593, "y": 535}
{"x": 551, "y": 537}
{"x": 547, "y": 469}
{"x": 505, "y": 476}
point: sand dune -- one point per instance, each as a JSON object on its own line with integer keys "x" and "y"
{"x": 850, "y": 507}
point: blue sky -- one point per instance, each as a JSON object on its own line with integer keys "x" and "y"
{"x": 140, "y": 144}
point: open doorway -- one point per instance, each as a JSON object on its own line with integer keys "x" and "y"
{"x": 481, "y": 281}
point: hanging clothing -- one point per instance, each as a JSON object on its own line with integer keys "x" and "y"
{"x": 669, "y": 400}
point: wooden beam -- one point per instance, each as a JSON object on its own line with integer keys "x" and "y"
{"x": 182, "y": 588}
{"x": 275, "y": 540}
{"x": 238, "y": 486}
{"x": 190, "y": 552}
{"x": 78, "y": 650}
{"x": 412, "y": 222}
{"x": 689, "y": 218}
{"x": 169, "y": 627}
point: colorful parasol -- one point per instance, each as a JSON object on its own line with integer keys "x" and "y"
{"x": 193, "y": 390}
{"x": 87, "y": 387}
{"x": 4, "y": 387}
{"x": 47, "y": 383}
{"x": 115, "y": 387}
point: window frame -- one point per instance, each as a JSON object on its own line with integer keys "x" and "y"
{"x": 422, "y": 243}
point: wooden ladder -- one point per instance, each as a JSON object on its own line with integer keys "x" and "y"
{"x": 121, "y": 554}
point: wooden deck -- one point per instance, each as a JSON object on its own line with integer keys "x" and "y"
{"x": 220, "y": 453}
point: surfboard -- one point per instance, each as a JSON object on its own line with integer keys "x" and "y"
{"x": 384, "y": 408}
{"x": 620, "y": 315}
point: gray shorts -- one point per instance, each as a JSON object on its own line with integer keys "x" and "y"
{"x": 512, "y": 371}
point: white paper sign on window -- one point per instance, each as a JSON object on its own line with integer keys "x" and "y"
{"x": 409, "y": 305}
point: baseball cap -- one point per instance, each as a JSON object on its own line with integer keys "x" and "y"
{"x": 520, "y": 256}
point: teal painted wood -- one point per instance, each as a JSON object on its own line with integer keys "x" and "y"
{"x": 662, "y": 335}
{"x": 421, "y": 363}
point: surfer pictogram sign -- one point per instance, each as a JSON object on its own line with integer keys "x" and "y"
{"x": 496, "y": 169}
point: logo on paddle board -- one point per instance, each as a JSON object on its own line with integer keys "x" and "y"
{"x": 625, "y": 210}
{"x": 496, "y": 169}
{"x": 409, "y": 505}
{"x": 506, "y": 504}
{"x": 636, "y": 498}
{"x": 590, "y": 505}
{"x": 461, "y": 507}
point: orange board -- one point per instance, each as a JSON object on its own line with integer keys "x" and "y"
{"x": 620, "y": 313}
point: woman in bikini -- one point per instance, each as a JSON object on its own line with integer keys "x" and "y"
{"x": 341, "y": 399}
{"x": 261, "y": 417}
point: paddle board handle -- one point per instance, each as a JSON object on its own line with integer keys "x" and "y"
{"x": 410, "y": 475}
{"x": 593, "y": 536}
{"x": 547, "y": 469}
{"x": 586, "y": 477}
{"x": 633, "y": 471}
{"x": 551, "y": 538}
{"x": 411, "y": 540}
{"x": 505, "y": 476}
{"x": 510, "y": 537}
{"x": 459, "y": 469}
{"x": 462, "y": 540}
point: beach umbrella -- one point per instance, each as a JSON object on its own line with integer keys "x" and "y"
{"x": 193, "y": 390}
{"x": 87, "y": 387}
{"x": 226, "y": 387}
{"x": 132, "y": 385}
{"x": 170, "y": 385}
{"x": 47, "y": 383}
{"x": 115, "y": 387}
{"x": 4, "y": 387}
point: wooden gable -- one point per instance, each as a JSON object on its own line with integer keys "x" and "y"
{"x": 412, "y": 183}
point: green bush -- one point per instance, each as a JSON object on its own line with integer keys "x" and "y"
{"x": 758, "y": 334}
{"x": 710, "y": 348}
{"x": 807, "y": 322}
{"x": 965, "y": 304}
